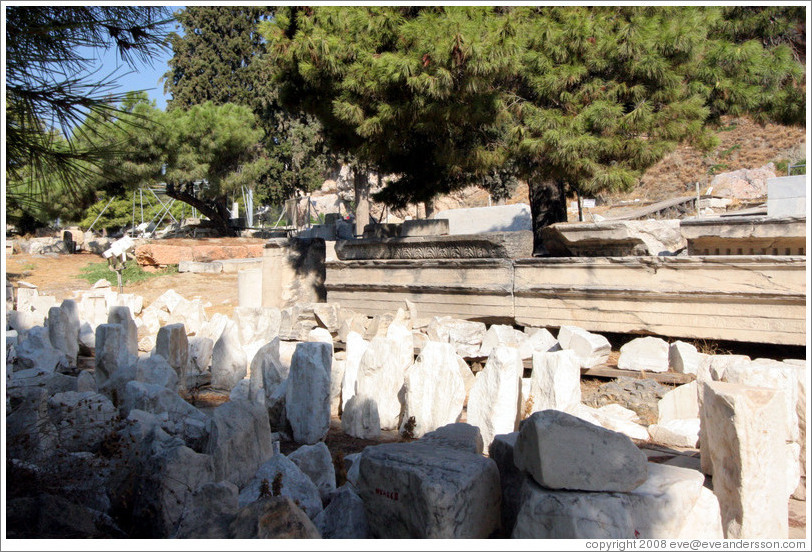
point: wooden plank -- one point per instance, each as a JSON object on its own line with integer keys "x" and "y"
{"x": 604, "y": 371}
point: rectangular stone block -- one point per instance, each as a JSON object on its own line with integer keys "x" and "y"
{"x": 418, "y": 490}
{"x": 745, "y": 433}
{"x": 424, "y": 227}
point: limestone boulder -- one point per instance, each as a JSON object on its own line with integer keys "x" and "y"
{"x": 36, "y": 352}
{"x": 683, "y": 358}
{"x": 316, "y": 463}
{"x": 556, "y": 381}
{"x": 511, "y": 478}
{"x": 173, "y": 345}
{"x": 228, "y": 361}
{"x": 82, "y": 420}
{"x": 166, "y": 485}
{"x": 435, "y": 391}
{"x": 590, "y": 348}
{"x": 293, "y": 483}
{"x": 540, "y": 340}
{"x": 680, "y": 403}
{"x": 269, "y": 368}
{"x": 355, "y": 349}
{"x": 176, "y": 416}
{"x": 458, "y": 435}
{"x": 744, "y": 435}
{"x": 86, "y": 382}
{"x": 676, "y": 432}
{"x": 156, "y": 370}
{"x": 360, "y": 418}
{"x": 614, "y": 417}
{"x": 123, "y": 316}
{"x": 257, "y": 323}
{"x": 307, "y": 400}
{"x": 212, "y": 508}
{"x": 671, "y": 504}
{"x": 199, "y": 367}
{"x": 63, "y": 329}
{"x": 466, "y": 336}
{"x": 192, "y": 314}
{"x": 771, "y": 374}
{"x": 344, "y": 517}
{"x": 493, "y": 402}
{"x": 239, "y": 440}
{"x": 381, "y": 374}
{"x": 644, "y": 353}
{"x": 743, "y": 183}
{"x": 507, "y": 336}
{"x": 416, "y": 490}
{"x": 596, "y": 459}
{"x": 112, "y": 354}
{"x": 276, "y": 517}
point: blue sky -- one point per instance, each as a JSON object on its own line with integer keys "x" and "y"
{"x": 141, "y": 77}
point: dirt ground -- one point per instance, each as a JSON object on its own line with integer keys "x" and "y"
{"x": 58, "y": 275}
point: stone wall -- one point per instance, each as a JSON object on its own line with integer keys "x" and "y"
{"x": 742, "y": 298}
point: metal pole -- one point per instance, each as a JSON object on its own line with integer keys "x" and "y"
{"x": 141, "y": 193}
{"x": 697, "y": 198}
{"x": 132, "y": 230}
{"x": 100, "y": 214}
{"x": 162, "y": 203}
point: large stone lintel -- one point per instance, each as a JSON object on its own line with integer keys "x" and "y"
{"x": 493, "y": 245}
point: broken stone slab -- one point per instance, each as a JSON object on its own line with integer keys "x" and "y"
{"x": 713, "y": 367}
{"x": 614, "y": 238}
{"x": 591, "y": 349}
{"x": 507, "y": 336}
{"x": 416, "y": 490}
{"x": 360, "y": 418}
{"x": 495, "y": 218}
{"x": 166, "y": 485}
{"x": 200, "y": 267}
{"x": 176, "y": 416}
{"x": 510, "y": 477}
{"x": 86, "y": 382}
{"x": 241, "y": 391}
{"x": 344, "y": 517}
{"x": 745, "y": 436}
{"x": 457, "y": 435}
{"x": 295, "y": 484}
{"x": 173, "y": 345}
{"x": 490, "y": 245}
{"x": 122, "y": 316}
{"x": 614, "y": 417}
{"x": 168, "y": 300}
{"x": 239, "y": 440}
{"x": 211, "y": 509}
{"x": 257, "y": 323}
{"x": 540, "y": 340}
{"x": 228, "y": 361}
{"x": 465, "y": 335}
{"x": 434, "y": 391}
{"x": 111, "y": 352}
{"x": 213, "y": 329}
{"x": 320, "y": 335}
{"x": 676, "y": 432}
{"x": 493, "y": 402}
{"x": 596, "y": 459}
{"x": 424, "y": 227}
{"x": 156, "y": 370}
{"x": 200, "y": 351}
{"x": 381, "y": 374}
{"x": 468, "y": 377}
{"x": 192, "y": 314}
{"x": 82, "y": 420}
{"x": 556, "y": 381}
{"x": 644, "y": 353}
{"x": 679, "y": 403}
{"x": 671, "y": 503}
{"x": 270, "y": 367}
{"x": 36, "y": 352}
{"x": 328, "y": 315}
{"x": 683, "y": 358}
{"x": 276, "y": 517}
{"x": 770, "y": 374}
{"x": 63, "y": 328}
{"x": 351, "y": 321}
{"x": 307, "y": 401}
{"x": 316, "y": 463}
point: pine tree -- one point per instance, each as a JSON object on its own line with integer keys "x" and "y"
{"x": 575, "y": 98}
{"x": 50, "y": 90}
{"x": 217, "y": 59}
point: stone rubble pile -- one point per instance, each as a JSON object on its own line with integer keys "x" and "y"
{"x": 509, "y": 450}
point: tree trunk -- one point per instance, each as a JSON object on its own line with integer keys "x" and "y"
{"x": 361, "y": 181}
{"x": 428, "y": 206}
{"x": 216, "y": 210}
{"x": 548, "y": 205}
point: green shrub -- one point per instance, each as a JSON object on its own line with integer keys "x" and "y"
{"x": 132, "y": 273}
